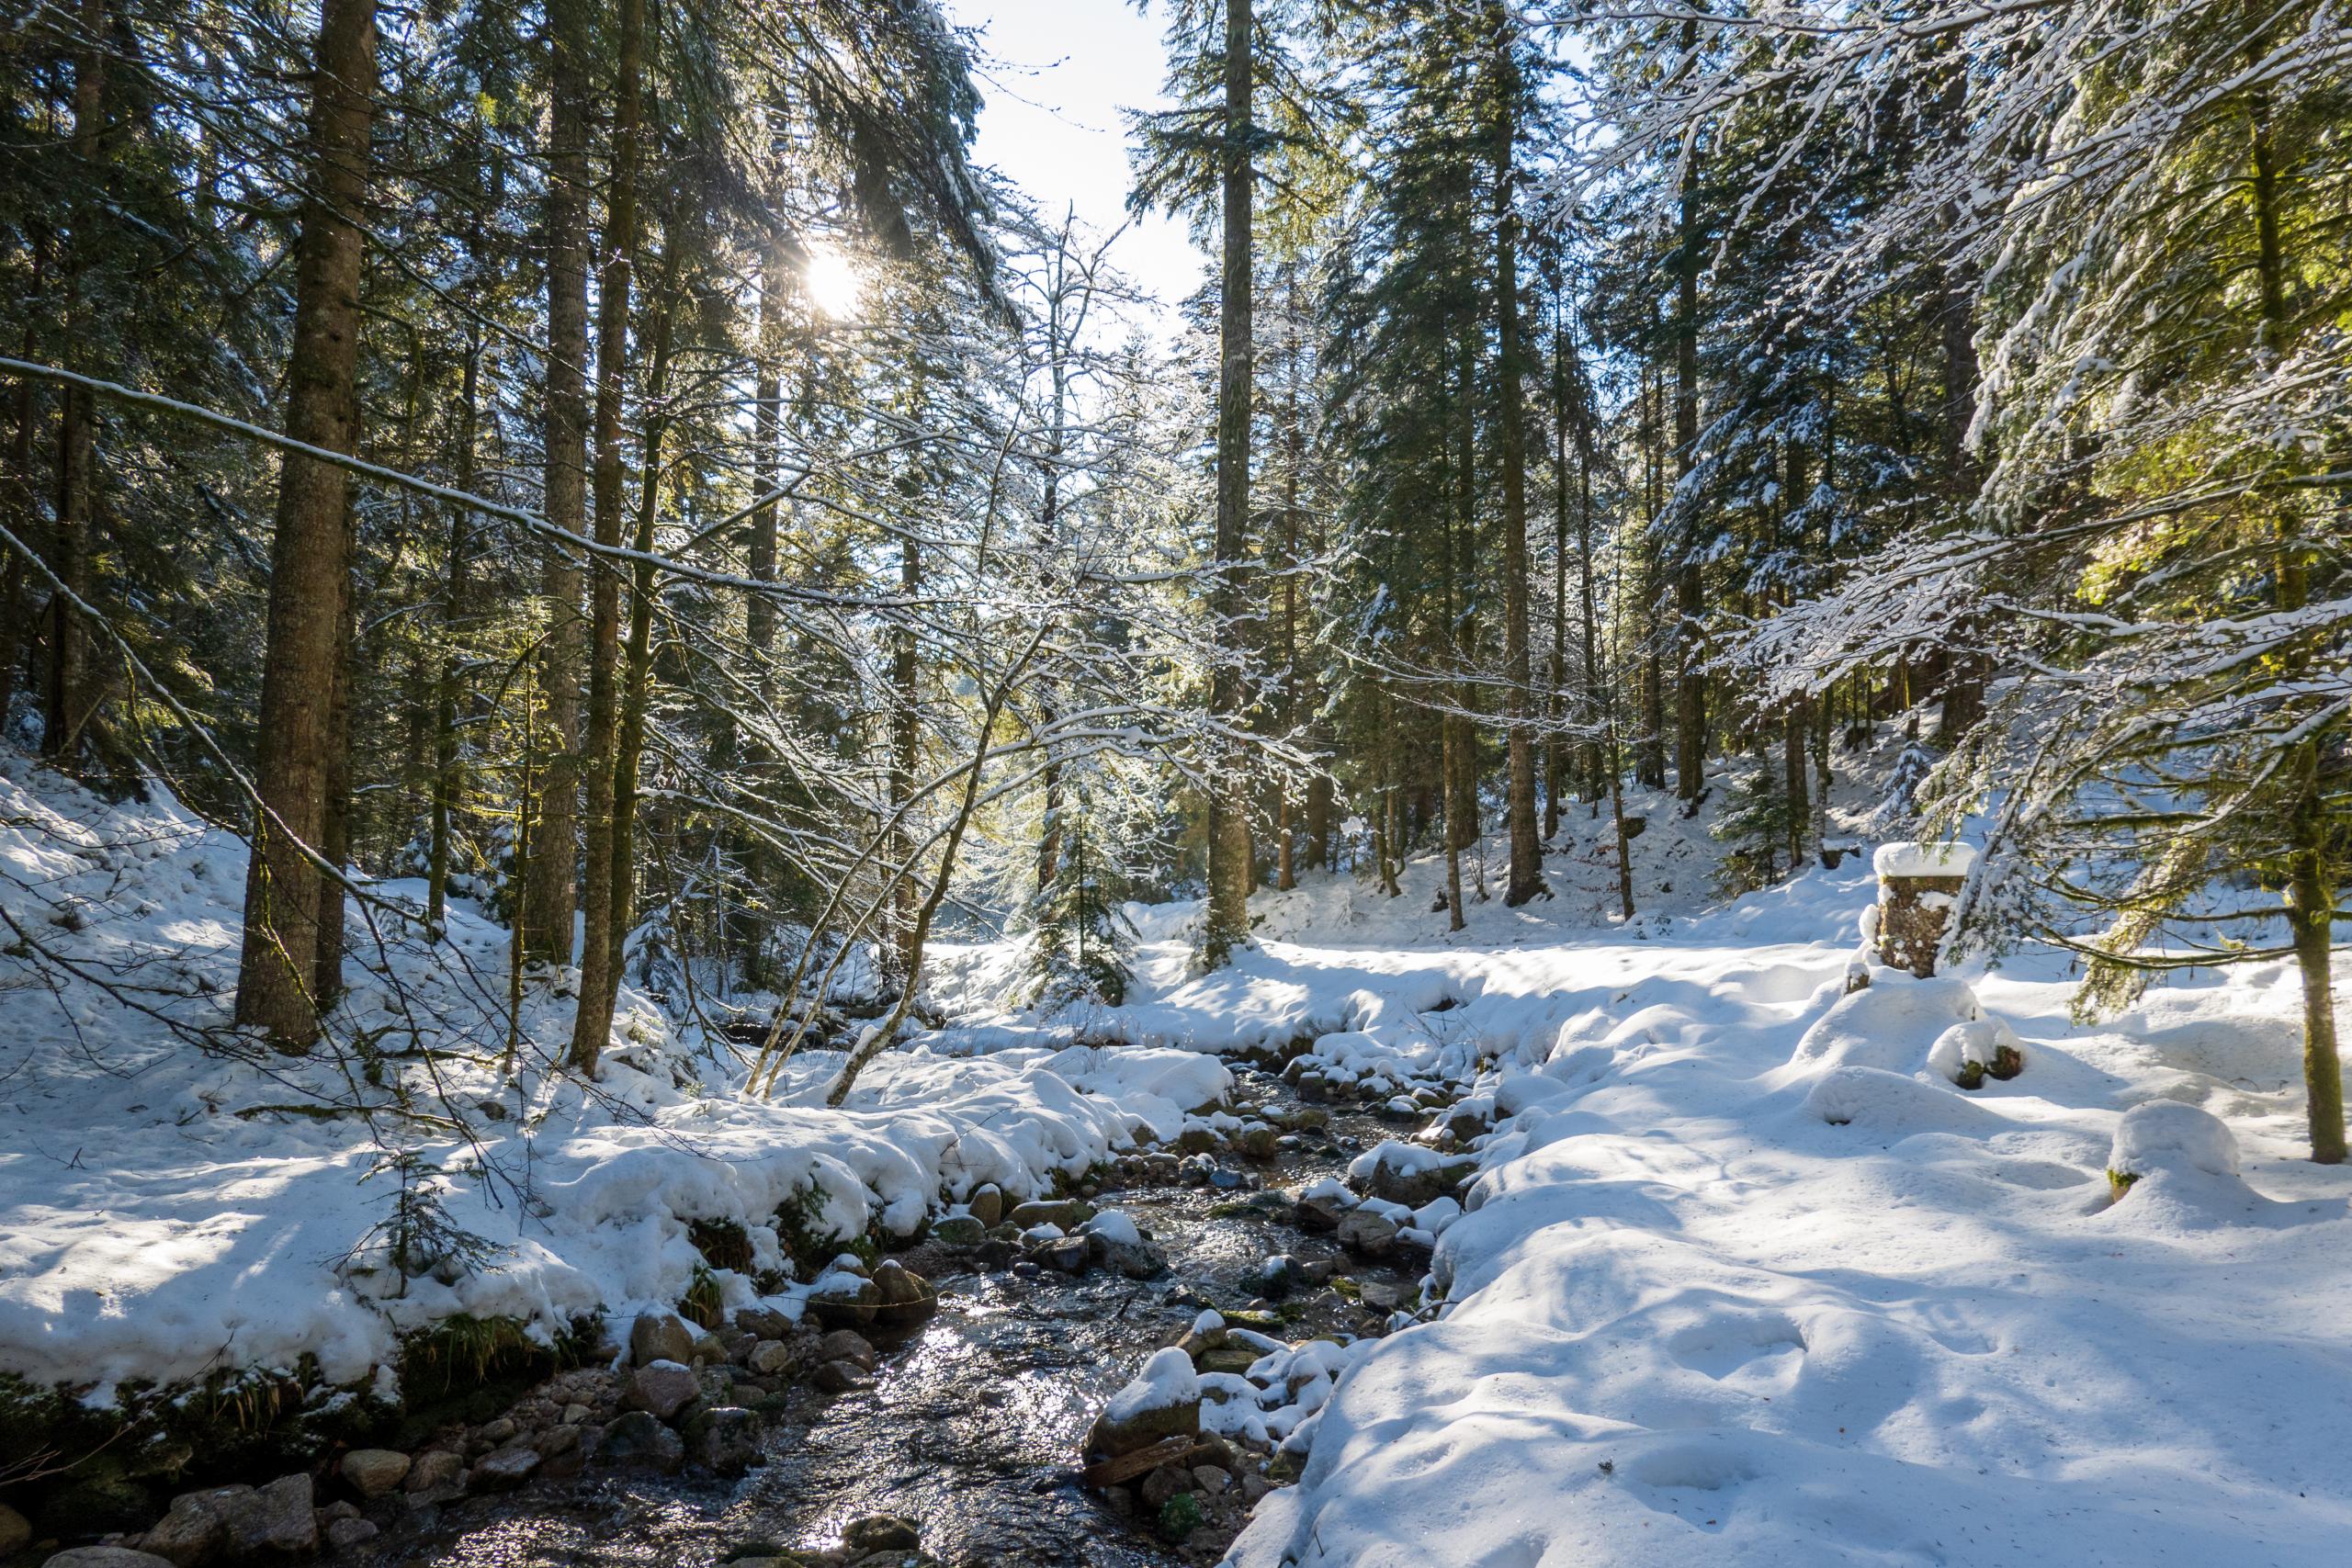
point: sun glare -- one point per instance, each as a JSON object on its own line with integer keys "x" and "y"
{"x": 834, "y": 284}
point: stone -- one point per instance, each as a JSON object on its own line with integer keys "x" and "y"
{"x": 1165, "y": 1483}
{"x": 1066, "y": 1214}
{"x": 1256, "y": 1140}
{"x": 344, "y": 1534}
{"x": 273, "y": 1519}
{"x": 434, "y": 1467}
{"x": 1065, "y": 1253}
{"x": 106, "y": 1557}
{"x": 660, "y": 1337}
{"x": 840, "y": 1377}
{"x": 661, "y": 1389}
{"x": 1235, "y": 1360}
{"x": 1365, "y": 1232}
{"x": 773, "y": 1358}
{"x": 846, "y": 1344}
{"x": 899, "y": 1286}
{"x": 959, "y": 1231}
{"x": 341, "y": 1508}
{"x": 573, "y": 1415}
{"x": 1209, "y": 1479}
{"x": 16, "y": 1531}
{"x": 1196, "y": 1139}
{"x": 506, "y": 1469}
{"x": 499, "y": 1431}
{"x": 374, "y": 1472}
{"x": 556, "y": 1440}
{"x": 1322, "y": 1213}
{"x": 1383, "y": 1295}
{"x": 637, "y": 1438}
{"x": 1254, "y": 1489}
{"x": 1144, "y": 1428}
{"x": 764, "y": 1323}
{"x": 882, "y": 1532}
{"x": 726, "y": 1439}
{"x": 1415, "y": 1185}
{"x": 987, "y": 1204}
{"x": 195, "y": 1530}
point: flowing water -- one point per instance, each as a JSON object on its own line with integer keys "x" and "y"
{"x": 973, "y": 1425}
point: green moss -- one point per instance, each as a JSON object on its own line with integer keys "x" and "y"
{"x": 1180, "y": 1515}
{"x": 2120, "y": 1180}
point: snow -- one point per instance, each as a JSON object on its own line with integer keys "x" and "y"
{"x": 1750, "y": 1281}
{"x": 1115, "y": 1226}
{"x": 1978, "y": 1041}
{"x": 1906, "y": 859}
{"x": 2166, "y": 1136}
{"x": 168, "y": 1209}
{"x": 1166, "y": 1381}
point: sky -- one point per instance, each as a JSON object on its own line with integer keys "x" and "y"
{"x": 1055, "y": 74}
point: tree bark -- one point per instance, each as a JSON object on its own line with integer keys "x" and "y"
{"x": 1526, "y": 878}
{"x": 309, "y": 555}
{"x": 1691, "y": 683}
{"x": 1226, "y": 925}
{"x": 599, "y": 972}
{"x": 551, "y": 882}
{"x": 62, "y": 695}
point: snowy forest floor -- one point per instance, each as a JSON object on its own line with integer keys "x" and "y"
{"x": 1740, "y": 1280}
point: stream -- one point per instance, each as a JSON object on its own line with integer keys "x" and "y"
{"x": 974, "y": 1421}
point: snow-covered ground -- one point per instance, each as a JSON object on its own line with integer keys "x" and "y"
{"x": 1742, "y": 1277}
{"x": 166, "y": 1212}
{"x": 1744, "y": 1282}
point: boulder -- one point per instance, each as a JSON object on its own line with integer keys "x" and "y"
{"x": 344, "y": 1534}
{"x": 104, "y": 1557}
{"x": 1165, "y": 1483}
{"x": 1164, "y": 1401}
{"x": 275, "y": 1518}
{"x": 661, "y": 1389}
{"x": 660, "y": 1337}
{"x": 506, "y": 1469}
{"x": 881, "y": 1533}
{"x": 637, "y": 1438}
{"x": 195, "y": 1530}
{"x": 1403, "y": 1174}
{"x": 1256, "y": 1140}
{"x": 959, "y": 1231}
{"x": 987, "y": 1204}
{"x": 16, "y": 1531}
{"x": 1367, "y": 1232}
{"x": 726, "y": 1439}
{"x": 374, "y": 1472}
{"x": 773, "y": 1358}
{"x": 434, "y": 1467}
{"x": 1066, "y": 1214}
{"x": 840, "y": 1377}
{"x": 842, "y": 1344}
{"x": 764, "y": 1323}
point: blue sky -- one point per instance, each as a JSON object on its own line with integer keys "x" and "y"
{"x": 1056, "y": 73}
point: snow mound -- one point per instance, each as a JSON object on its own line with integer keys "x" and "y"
{"x": 2165, "y": 1137}
{"x": 1884, "y": 1102}
{"x": 1166, "y": 1382}
{"x": 1890, "y": 1026}
{"x": 1905, "y": 858}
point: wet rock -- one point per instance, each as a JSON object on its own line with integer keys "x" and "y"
{"x": 987, "y": 1204}
{"x": 1068, "y": 1213}
{"x": 996, "y": 1253}
{"x": 663, "y": 1336}
{"x": 1322, "y": 1212}
{"x": 434, "y": 1467}
{"x": 637, "y": 1438}
{"x": 1404, "y": 1175}
{"x": 1065, "y": 1253}
{"x": 272, "y": 1520}
{"x": 726, "y": 1439}
{"x": 882, "y": 1532}
{"x": 374, "y": 1472}
{"x": 344, "y": 1534}
{"x": 1383, "y": 1295}
{"x": 1254, "y": 1489}
{"x": 842, "y": 1344}
{"x": 765, "y": 1323}
{"x": 840, "y": 1377}
{"x": 1196, "y": 1139}
{"x": 1236, "y": 1360}
{"x": 661, "y": 1389}
{"x": 1374, "y": 1236}
{"x": 499, "y": 1431}
{"x": 104, "y": 1557}
{"x": 506, "y": 1469}
{"x": 556, "y": 1440}
{"x": 1256, "y": 1140}
{"x": 959, "y": 1231}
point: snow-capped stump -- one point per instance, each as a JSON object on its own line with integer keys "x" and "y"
{"x": 1968, "y": 1054}
{"x": 1164, "y": 1401}
{"x": 1916, "y": 885}
{"x": 2165, "y": 1137}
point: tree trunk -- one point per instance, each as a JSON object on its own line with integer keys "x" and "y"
{"x": 334, "y": 831}
{"x": 906, "y": 734}
{"x": 1226, "y": 926}
{"x": 1526, "y": 879}
{"x": 551, "y": 887}
{"x": 62, "y": 691}
{"x": 446, "y": 784}
{"x": 1691, "y": 683}
{"x": 592, "y": 1021}
{"x": 1795, "y": 726}
{"x": 310, "y": 557}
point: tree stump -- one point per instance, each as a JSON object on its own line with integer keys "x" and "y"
{"x": 1918, "y": 884}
